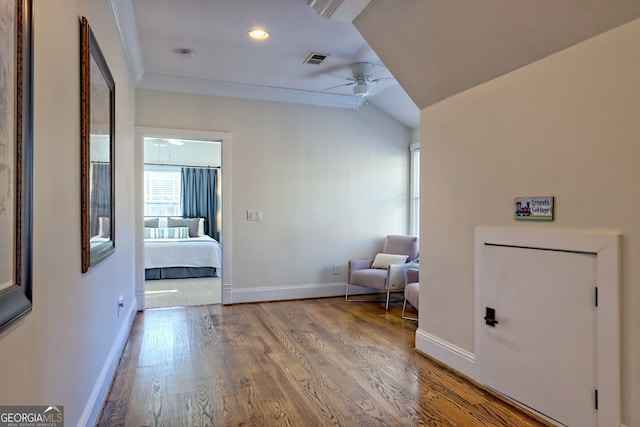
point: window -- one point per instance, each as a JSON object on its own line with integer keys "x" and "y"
{"x": 414, "y": 190}
{"x": 162, "y": 191}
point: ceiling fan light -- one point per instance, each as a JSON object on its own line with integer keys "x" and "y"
{"x": 360, "y": 89}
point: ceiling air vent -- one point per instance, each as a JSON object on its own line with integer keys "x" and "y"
{"x": 339, "y": 10}
{"x": 325, "y": 8}
{"x": 315, "y": 58}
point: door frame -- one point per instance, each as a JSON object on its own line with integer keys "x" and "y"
{"x": 606, "y": 247}
{"x": 226, "y": 218}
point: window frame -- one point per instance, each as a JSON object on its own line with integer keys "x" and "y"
{"x": 162, "y": 168}
{"x": 414, "y": 188}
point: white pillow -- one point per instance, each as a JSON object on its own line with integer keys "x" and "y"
{"x": 166, "y": 233}
{"x": 383, "y": 260}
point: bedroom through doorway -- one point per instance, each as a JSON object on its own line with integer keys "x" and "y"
{"x": 182, "y": 221}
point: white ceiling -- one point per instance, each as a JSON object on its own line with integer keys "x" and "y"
{"x": 228, "y": 63}
{"x": 434, "y": 48}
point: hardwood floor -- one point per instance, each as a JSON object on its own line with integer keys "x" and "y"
{"x": 302, "y": 363}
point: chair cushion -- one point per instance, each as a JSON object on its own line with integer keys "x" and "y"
{"x": 412, "y": 293}
{"x": 413, "y": 275}
{"x": 383, "y": 260}
{"x": 404, "y": 245}
{"x": 370, "y": 278}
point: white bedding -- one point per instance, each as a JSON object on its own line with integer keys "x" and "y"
{"x": 202, "y": 251}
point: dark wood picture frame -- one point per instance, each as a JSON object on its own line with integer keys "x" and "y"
{"x": 16, "y": 160}
{"x": 97, "y": 151}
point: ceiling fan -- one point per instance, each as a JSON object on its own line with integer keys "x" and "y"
{"x": 161, "y": 142}
{"x": 361, "y": 78}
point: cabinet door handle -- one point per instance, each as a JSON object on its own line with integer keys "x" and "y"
{"x": 490, "y": 317}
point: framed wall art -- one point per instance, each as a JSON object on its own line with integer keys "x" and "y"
{"x": 16, "y": 159}
{"x": 97, "y": 132}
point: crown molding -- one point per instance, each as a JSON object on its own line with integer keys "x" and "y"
{"x": 128, "y": 32}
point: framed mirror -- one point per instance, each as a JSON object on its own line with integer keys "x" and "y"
{"x": 16, "y": 165}
{"x": 97, "y": 134}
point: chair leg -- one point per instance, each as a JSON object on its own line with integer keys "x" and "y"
{"x": 404, "y": 307}
{"x": 387, "y": 299}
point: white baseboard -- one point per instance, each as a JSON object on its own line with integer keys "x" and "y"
{"x": 453, "y": 356}
{"x": 93, "y": 406}
{"x": 286, "y": 292}
{"x": 226, "y": 293}
{"x": 140, "y": 299}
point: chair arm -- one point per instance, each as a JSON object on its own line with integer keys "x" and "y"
{"x": 396, "y": 276}
{"x": 413, "y": 275}
{"x": 358, "y": 264}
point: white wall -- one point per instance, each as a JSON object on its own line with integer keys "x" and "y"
{"x": 566, "y": 126}
{"x": 330, "y": 183}
{"x": 61, "y": 351}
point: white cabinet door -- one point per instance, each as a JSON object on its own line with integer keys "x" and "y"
{"x": 541, "y": 352}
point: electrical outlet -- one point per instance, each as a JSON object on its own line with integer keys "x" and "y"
{"x": 336, "y": 268}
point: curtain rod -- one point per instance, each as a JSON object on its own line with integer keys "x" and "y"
{"x": 182, "y": 166}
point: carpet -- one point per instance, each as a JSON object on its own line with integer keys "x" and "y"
{"x": 182, "y": 292}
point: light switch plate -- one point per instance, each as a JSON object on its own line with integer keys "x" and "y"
{"x": 254, "y": 215}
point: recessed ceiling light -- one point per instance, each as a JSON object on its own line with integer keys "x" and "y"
{"x": 258, "y": 34}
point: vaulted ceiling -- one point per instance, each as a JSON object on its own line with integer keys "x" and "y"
{"x": 437, "y": 48}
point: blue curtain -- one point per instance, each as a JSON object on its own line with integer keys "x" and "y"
{"x": 99, "y": 197}
{"x": 199, "y": 197}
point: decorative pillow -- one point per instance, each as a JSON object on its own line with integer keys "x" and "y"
{"x": 191, "y": 223}
{"x": 105, "y": 227}
{"x": 152, "y": 223}
{"x": 383, "y": 260}
{"x": 166, "y": 233}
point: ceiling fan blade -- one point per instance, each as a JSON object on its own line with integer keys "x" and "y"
{"x": 175, "y": 142}
{"x": 363, "y": 53}
{"x": 340, "y": 71}
{"x": 335, "y": 87}
{"x": 361, "y": 68}
{"x": 338, "y": 76}
{"x": 376, "y": 80}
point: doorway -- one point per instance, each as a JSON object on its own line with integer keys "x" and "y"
{"x": 181, "y": 205}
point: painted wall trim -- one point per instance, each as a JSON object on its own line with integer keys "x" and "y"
{"x": 287, "y": 292}
{"x": 225, "y": 234}
{"x": 102, "y": 385}
{"x": 453, "y": 356}
{"x": 140, "y": 300}
{"x": 126, "y": 24}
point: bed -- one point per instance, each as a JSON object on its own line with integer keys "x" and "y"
{"x": 176, "y": 248}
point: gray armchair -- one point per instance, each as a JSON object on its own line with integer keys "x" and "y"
{"x": 385, "y": 272}
{"x": 411, "y": 292}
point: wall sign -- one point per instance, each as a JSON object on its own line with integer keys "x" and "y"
{"x": 533, "y": 208}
